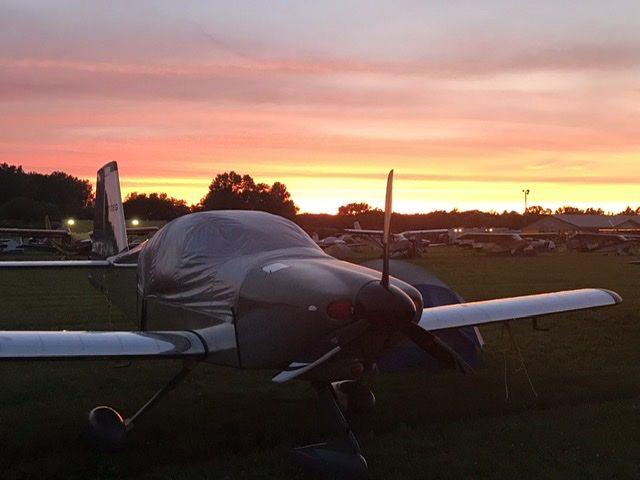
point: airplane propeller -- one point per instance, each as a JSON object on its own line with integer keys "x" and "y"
{"x": 386, "y": 238}
{"x": 383, "y": 309}
{"x": 389, "y": 309}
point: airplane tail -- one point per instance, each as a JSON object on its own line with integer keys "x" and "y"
{"x": 109, "y": 226}
{"x": 356, "y": 225}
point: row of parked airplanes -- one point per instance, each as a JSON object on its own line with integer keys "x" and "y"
{"x": 354, "y": 241}
{"x": 250, "y": 290}
{"x": 496, "y": 241}
{"x": 15, "y": 241}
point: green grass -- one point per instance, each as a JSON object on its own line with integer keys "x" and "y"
{"x": 224, "y": 423}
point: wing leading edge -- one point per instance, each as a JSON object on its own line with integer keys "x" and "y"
{"x": 513, "y": 308}
{"x": 35, "y": 345}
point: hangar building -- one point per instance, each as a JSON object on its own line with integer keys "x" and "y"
{"x": 569, "y": 223}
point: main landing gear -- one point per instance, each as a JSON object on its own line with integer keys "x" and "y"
{"x": 342, "y": 456}
{"x": 107, "y": 430}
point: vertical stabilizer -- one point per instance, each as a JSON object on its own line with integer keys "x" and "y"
{"x": 109, "y": 227}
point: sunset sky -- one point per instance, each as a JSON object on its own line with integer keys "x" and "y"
{"x": 470, "y": 102}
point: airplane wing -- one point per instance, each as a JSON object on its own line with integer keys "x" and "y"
{"x": 34, "y": 232}
{"x": 379, "y": 233}
{"x": 65, "y": 264}
{"x": 513, "y": 308}
{"x": 459, "y": 315}
{"x": 69, "y": 345}
{"x": 56, "y": 264}
{"x": 420, "y": 232}
{"x": 359, "y": 231}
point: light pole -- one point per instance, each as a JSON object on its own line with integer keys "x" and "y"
{"x": 526, "y": 194}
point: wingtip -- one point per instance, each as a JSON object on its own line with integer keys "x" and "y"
{"x": 616, "y": 297}
{"x": 280, "y": 378}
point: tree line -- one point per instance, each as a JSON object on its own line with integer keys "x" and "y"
{"x": 27, "y": 197}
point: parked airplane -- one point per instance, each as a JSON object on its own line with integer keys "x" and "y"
{"x": 11, "y": 246}
{"x": 251, "y": 290}
{"x": 502, "y": 243}
{"x": 406, "y": 244}
{"x": 341, "y": 247}
{"x": 602, "y": 243}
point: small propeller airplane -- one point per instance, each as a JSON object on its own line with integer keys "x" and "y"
{"x": 251, "y": 290}
{"x": 407, "y": 243}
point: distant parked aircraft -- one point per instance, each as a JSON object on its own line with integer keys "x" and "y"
{"x": 504, "y": 242}
{"x": 407, "y": 243}
{"x": 602, "y": 243}
{"x": 64, "y": 241}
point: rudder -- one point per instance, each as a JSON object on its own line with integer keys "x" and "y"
{"x": 109, "y": 226}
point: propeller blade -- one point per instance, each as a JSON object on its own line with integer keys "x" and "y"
{"x": 386, "y": 239}
{"x": 436, "y": 347}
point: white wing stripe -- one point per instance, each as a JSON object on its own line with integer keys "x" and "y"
{"x": 478, "y": 313}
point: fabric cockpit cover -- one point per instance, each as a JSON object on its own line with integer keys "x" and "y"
{"x": 199, "y": 261}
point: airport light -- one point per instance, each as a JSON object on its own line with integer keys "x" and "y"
{"x": 526, "y": 194}
{"x": 71, "y": 222}
{"x": 135, "y": 222}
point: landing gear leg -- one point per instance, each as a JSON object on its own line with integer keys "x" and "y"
{"x": 340, "y": 457}
{"x": 107, "y": 429}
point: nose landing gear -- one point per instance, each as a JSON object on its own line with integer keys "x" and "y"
{"x": 341, "y": 456}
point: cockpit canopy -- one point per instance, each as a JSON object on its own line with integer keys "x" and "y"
{"x": 200, "y": 260}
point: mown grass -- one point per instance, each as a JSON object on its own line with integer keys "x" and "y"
{"x": 222, "y": 423}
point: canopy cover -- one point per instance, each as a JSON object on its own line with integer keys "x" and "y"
{"x": 199, "y": 261}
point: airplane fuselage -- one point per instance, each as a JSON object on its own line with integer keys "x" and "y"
{"x": 255, "y": 310}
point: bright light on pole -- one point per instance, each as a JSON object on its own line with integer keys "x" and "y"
{"x": 526, "y": 194}
{"x": 135, "y": 222}
{"x": 71, "y": 222}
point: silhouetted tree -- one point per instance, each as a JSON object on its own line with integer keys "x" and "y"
{"x": 13, "y": 182}
{"x": 232, "y": 191}
{"x": 628, "y": 211}
{"x": 569, "y": 210}
{"x": 538, "y": 210}
{"x": 69, "y": 193}
{"x": 355, "y": 208}
{"x": 38, "y": 193}
{"x": 26, "y": 211}
{"x": 154, "y": 206}
{"x": 594, "y": 211}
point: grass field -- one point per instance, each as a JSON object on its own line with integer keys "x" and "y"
{"x": 222, "y": 423}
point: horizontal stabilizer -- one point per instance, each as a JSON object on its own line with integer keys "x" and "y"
{"x": 28, "y": 345}
{"x": 528, "y": 306}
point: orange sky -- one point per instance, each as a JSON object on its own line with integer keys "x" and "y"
{"x": 469, "y": 107}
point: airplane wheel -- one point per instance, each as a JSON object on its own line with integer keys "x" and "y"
{"x": 354, "y": 397}
{"x": 106, "y": 429}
